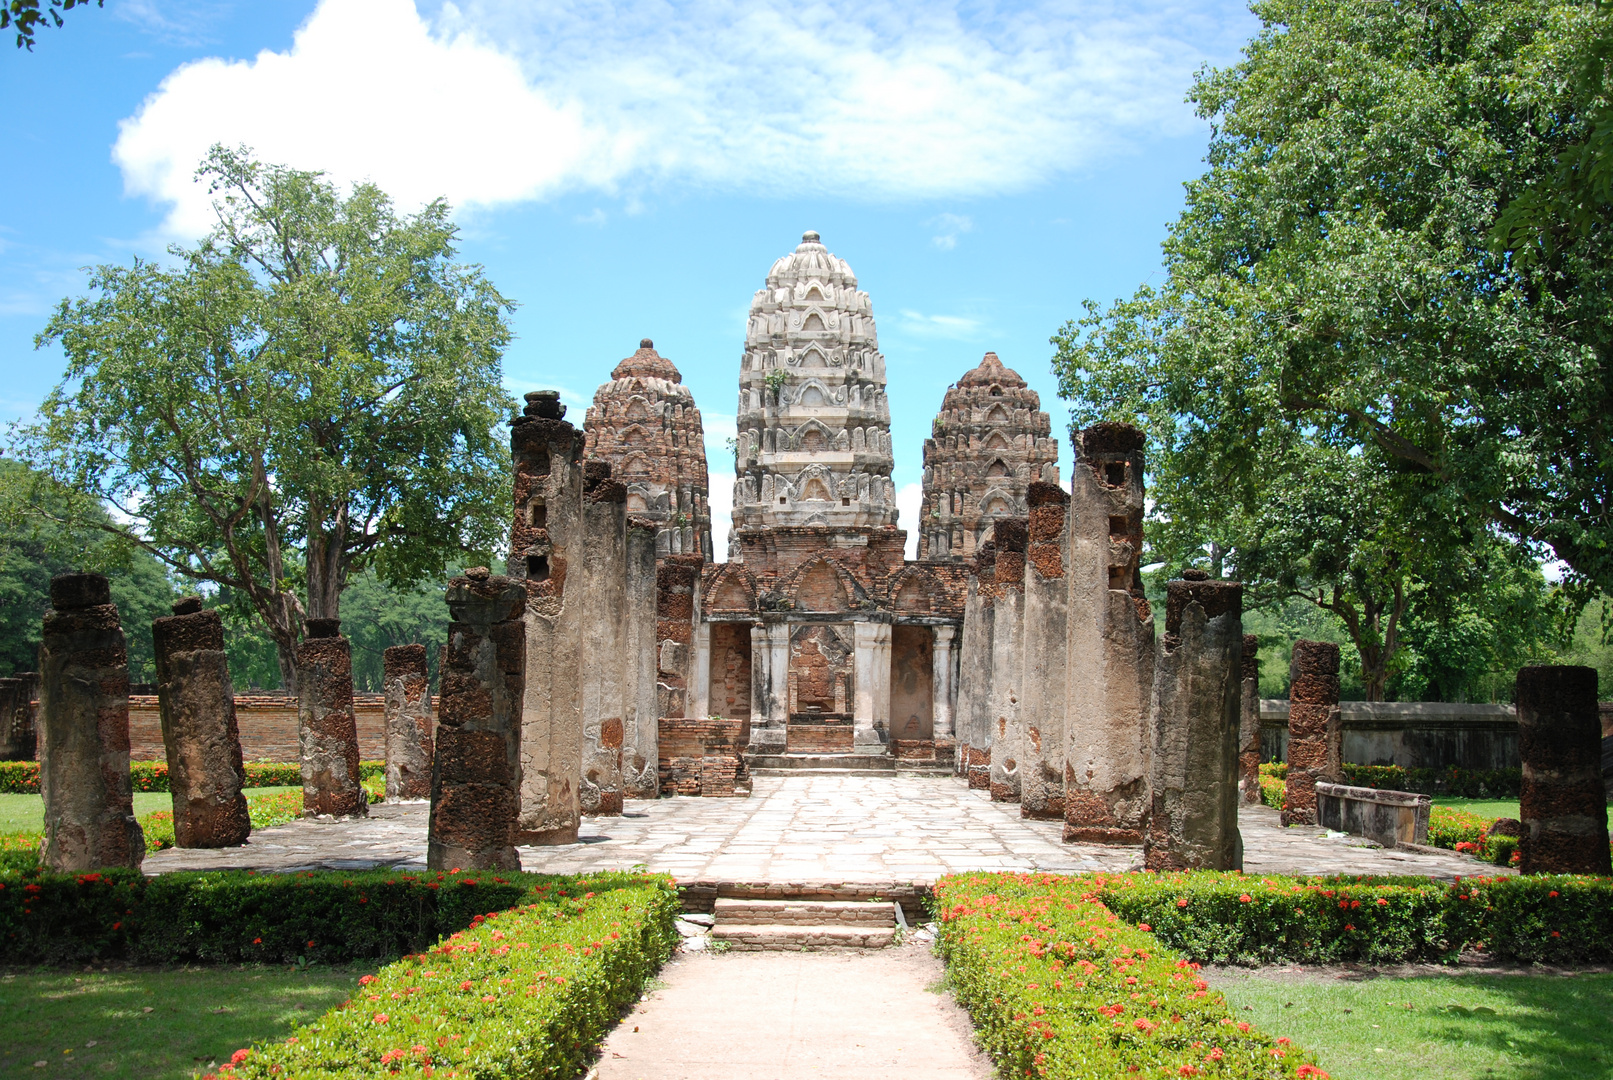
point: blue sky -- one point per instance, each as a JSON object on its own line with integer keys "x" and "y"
{"x": 631, "y": 169}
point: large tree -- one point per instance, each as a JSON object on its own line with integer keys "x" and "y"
{"x": 312, "y": 391}
{"x": 1335, "y": 276}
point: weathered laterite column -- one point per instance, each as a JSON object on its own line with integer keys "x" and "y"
{"x": 640, "y": 746}
{"x": 1011, "y": 535}
{"x": 16, "y": 733}
{"x": 547, "y": 539}
{"x": 974, "y": 671}
{"x": 328, "y": 727}
{"x": 603, "y": 575}
{"x": 1193, "y": 824}
{"x": 1563, "y": 804}
{"x": 1110, "y": 681}
{"x": 1315, "y": 731}
{"x": 197, "y": 703}
{"x": 84, "y": 731}
{"x": 476, "y": 773}
{"x": 408, "y": 722}
{"x": 1249, "y": 723}
{"x": 1045, "y": 650}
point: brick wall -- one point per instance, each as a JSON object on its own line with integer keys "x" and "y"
{"x": 268, "y": 725}
{"x": 828, "y": 737}
{"x": 701, "y": 756}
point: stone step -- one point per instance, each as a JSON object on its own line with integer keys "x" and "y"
{"x": 785, "y": 936}
{"x": 791, "y": 763}
{"x": 804, "y": 912}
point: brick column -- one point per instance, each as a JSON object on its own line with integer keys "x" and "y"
{"x": 408, "y": 722}
{"x": 16, "y": 731}
{"x": 1563, "y": 803}
{"x": 944, "y": 688}
{"x": 1249, "y": 723}
{"x": 84, "y": 731}
{"x": 476, "y": 777}
{"x": 199, "y": 733}
{"x": 328, "y": 728}
{"x": 1045, "y": 656}
{"x": 1314, "y": 727}
{"x": 1193, "y": 824}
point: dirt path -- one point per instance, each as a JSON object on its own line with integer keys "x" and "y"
{"x": 781, "y": 1015}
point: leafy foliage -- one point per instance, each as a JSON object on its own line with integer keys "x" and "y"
{"x": 1344, "y": 381}
{"x": 312, "y": 391}
{"x": 27, "y": 17}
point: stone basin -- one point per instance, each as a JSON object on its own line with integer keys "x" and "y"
{"x": 1390, "y": 818}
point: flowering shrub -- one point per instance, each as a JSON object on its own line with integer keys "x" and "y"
{"x": 1235, "y": 918}
{"x": 22, "y": 777}
{"x": 1059, "y": 986}
{"x": 240, "y": 916}
{"x": 522, "y": 992}
{"x": 1273, "y": 792}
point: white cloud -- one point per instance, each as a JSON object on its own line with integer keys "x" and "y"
{"x": 949, "y": 226}
{"x": 945, "y": 326}
{"x": 499, "y": 103}
{"x": 909, "y": 500}
{"x": 722, "y": 512}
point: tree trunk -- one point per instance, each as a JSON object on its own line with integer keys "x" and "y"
{"x": 327, "y": 544}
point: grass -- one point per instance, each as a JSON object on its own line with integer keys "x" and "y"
{"x": 26, "y": 813}
{"x": 1491, "y": 808}
{"x": 145, "y": 1022}
{"x": 1437, "y": 1027}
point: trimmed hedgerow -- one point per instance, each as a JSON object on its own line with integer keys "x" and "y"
{"x": 527, "y": 992}
{"x": 1465, "y": 783}
{"x": 22, "y": 777}
{"x": 1059, "y": 986}
{"x": 1233, "y": 918}
{"x": 237, "y": 916}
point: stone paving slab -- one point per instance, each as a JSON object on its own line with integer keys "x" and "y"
{"x": 806, "y": 828}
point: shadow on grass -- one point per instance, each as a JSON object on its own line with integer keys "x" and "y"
{"x": 1544, "y": 1025}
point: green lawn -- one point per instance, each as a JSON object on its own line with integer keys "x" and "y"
{"x": 1437, "y": 1027}
{"x": 144, "y": 1022}
{"x": 1484, "y": 807}
{"x": 26, "y": 813}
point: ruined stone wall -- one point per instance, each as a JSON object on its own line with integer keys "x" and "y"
{"x": 1045, "y": 649}
{"x": 731, "y": 670}
{"x": 644, "y": 423}
{"x": 990, "y": 442}
{"x": 267, "y": 723}
{"x": 1193, "y": 821}
{"x": 1315, "y": 728}
{"x": 702, "y": 756}
{"x": 408, "y": 722}
{"x": 1110, "y": 643}
{"x": 546, "y": 538}
{"x": 677, "y": 589}
{"x": 19, "y": 740}
{"x": 913, "y": 690}
{"x": 1249, "y": 723}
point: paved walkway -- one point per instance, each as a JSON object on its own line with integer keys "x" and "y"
{"x": 805, "y": 828}
{"x": 851, "y": 1015}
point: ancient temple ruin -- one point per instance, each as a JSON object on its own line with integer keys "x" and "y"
{"x": 990, "y": 442}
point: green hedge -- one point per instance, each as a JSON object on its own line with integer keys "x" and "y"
{"x": 1464, "y": 783}
{"x": 242, "y": 916}
{"x": 22, "y": 777}
{"x": 1059, "y": 987}
{"x": 527, "y": 992}
{"x": 1233, "y": 918}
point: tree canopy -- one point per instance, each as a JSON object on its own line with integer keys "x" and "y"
{"x": 1347, "y": 369}
{"x": 312, "y": 391}
{"x": 27, "y": 16}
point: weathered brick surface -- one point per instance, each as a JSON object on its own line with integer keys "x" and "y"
{"x": 825, "y": 737}
{"x": 1315, "y": 728}
{"x": 702, "y": 756}
{"x": 408, "y": 723}
{"x": 202, "y": 743}
{"x": 1563, "y": 804}
{"x": 990, "y": 442}
{"x": 328, "y": 730}
{"x": 84, "y": 731}
{"x": 18, "y": 735}
{"x": 1249, "y": 723}
{"x": 475, "y": 795}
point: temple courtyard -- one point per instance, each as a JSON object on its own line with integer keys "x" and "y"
{"x": 813, "y": 827}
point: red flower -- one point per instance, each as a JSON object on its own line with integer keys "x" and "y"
{"x": 1144, "y": 927}
{"x": 257, "y": 941}
{"x": 382, "y": 1018}
{"x": 1182, "y": 902}
{"x": 1245, "y": 898}
{"x": 1553, "y": 893}
{"x": 366, "y": 980}
{"x": 239, "y": 1056}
